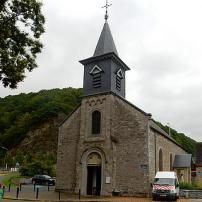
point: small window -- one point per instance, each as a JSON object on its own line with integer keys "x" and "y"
{"x": 96, "y": 122}
{"x": 160, "y": 160}
{"x": 171, "y": 162}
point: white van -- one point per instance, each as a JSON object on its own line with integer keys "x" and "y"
{"x": 165, "y": 186}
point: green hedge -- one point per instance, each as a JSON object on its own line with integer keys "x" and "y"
{"x": 190, "y": 186}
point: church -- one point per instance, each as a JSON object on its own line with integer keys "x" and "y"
{"x": 107, "y": 144}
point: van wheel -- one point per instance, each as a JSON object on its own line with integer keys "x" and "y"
{"x": 175, "y": 199}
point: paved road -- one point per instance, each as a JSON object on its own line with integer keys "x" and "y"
{"x": 118, "y": 200}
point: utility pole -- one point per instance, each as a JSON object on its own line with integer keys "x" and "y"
{"x": 168, "y": 124}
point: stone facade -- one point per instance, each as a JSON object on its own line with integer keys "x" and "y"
{"x": 67, "y": 149}
{"x": 199, "y": 174}
{"x": 122, "y": 154}
{"x": 127, "y": 144}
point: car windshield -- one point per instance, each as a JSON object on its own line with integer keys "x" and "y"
{"x": 164, "y": 181}
{"x": 47, "y": 177}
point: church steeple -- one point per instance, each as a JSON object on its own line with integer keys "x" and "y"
{"x": 105, "y": 71}
{"x": 106, "y": 43}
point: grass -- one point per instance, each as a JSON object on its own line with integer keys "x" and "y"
{"x": 12, "y": 179}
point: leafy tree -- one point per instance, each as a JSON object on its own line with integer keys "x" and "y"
{"x": 40, "y": 164}
{"x": 21, "y": 25}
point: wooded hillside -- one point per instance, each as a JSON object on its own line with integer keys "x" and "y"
{"x": 20, "y": 113}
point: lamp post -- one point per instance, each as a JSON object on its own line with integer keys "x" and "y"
{"x": 4, "y": 148}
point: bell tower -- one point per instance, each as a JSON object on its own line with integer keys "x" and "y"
{"x": 104, "y": 72}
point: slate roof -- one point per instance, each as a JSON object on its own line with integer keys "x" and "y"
{"x": 199, "y": 153}
{"x": 182, "y": 161}
{"x": 106, "y": 43}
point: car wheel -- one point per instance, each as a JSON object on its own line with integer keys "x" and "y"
{"x": 153, "y": 198}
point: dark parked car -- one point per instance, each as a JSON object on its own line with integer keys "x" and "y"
{"x": 43, "y": 179}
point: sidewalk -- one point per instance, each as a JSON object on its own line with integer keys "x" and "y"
{"x": 28, "y": 194}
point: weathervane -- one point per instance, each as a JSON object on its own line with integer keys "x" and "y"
{"x": 106, "y": 6}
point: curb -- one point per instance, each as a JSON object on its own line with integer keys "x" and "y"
{"x": 21, "y": 199}
{"x": 47, "y": 200}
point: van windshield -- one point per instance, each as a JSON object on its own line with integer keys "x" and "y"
{"x": 164, "y": 181}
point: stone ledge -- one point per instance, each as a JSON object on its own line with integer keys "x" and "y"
{"x": 196, "y": 194}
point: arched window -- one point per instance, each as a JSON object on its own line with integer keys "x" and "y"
{"x": 171, "y": 162}
{"x": 160, "y": 160}
{"x": 96, "y": 122}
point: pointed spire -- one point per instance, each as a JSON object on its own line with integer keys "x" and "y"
{"x": 106, "y": 43}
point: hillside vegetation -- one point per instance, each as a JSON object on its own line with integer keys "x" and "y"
{"x": 29, "y": 124}
{"x": 20, "y": 113}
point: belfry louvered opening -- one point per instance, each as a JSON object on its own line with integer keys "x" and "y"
{"x": 118, "y": 83}
{"x": 97, "y": 80}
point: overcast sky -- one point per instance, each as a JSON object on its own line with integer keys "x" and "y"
{"x": 160, "y": 40}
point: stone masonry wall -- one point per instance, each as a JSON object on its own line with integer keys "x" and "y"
{"x": 100, "y": 143}
{"x": 128, "y": 148}
{"x": 199, "y": 174}
{"x": 122, "y": 142}
{"x": 156, "y": 142}
{"x": 130, "y": 128}
{"x": 67, "y": 150}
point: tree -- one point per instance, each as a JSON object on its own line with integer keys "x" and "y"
{"x": 21, "y": 25}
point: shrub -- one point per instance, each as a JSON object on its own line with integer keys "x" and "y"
{"x": 35, "y": 168}
{"x": 189, "y": 186}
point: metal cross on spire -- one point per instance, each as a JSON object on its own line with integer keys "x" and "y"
{"x": 106, "y": 6}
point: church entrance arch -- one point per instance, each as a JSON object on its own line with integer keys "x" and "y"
{"x": 93, "y": 164}
{"x": 94, "y": 168}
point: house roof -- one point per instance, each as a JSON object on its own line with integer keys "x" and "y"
{"x": 199, "y": 153}
{"x": 182, "y": 161}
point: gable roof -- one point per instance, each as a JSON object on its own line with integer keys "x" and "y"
{"x": 182, "y": 161}
{"x": 106, "y": 43}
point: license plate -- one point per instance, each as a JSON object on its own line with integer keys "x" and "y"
{"x": 163, "y": 195}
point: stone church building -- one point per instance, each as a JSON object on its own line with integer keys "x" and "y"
{"x": 108, "y": 144}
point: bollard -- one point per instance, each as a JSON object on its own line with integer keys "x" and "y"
{"x": 59, "y": 195}
{"x": 9, "y": 187}
{"x": 4, "y": 189}
{"x": 37, "y": 192}
{"x": 48, "y": 186}
{"x": 17, "y": 192}
{"x": 79, "y": 194}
